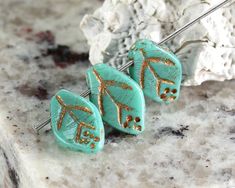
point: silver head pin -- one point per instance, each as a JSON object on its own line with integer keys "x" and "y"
{"x": 37, "y": 128}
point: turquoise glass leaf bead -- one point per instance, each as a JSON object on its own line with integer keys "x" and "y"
{"x": 76, "y": 122}
{"x": 156, "y": 70}
{"x": 118, "y": 98}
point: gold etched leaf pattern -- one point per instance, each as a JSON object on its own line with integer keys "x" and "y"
{"x": 68, "y": 109}
{"x": 104, "y": 90}
{"x": 147, "y": 61}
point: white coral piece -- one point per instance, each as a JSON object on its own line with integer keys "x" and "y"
{"x": 207, "y": 50}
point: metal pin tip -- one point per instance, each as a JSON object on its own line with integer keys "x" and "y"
{"x": 37, "y": 128}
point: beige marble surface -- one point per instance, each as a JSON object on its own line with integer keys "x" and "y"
{"x": 187, "y": 144}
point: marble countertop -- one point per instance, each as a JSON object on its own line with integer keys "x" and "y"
{"x": 190, "y": 143}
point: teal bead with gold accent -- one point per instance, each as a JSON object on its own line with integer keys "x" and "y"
{"x": 119, "y": 99}
{"x": 76, "y": 122}
{"x": 157, "y": 70}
